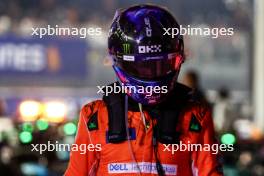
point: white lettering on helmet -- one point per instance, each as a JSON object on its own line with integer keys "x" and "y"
{"x": 149, "y": 49}
{"x": 128, "y": 58}
{"x": 148, "y": 27}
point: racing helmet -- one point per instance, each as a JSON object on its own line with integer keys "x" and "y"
{"x": 143, "y": 56}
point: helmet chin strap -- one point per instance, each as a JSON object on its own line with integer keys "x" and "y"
{"x": 128, "y": 136}
{"x": 142, "y": 116}
{"x": 158, "y": 164}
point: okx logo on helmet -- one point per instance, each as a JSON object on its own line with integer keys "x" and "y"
{"x": 142, "y": 55}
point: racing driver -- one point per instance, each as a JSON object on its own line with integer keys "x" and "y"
{"x": 138, "y": 133}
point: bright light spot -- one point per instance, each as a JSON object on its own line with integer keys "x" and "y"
{"x": 228, "y": 138}
{"x": 69, "y": 128}
{"x": 55, "y": 111}
{"x": 30, "y": 110}
{"x": 25, "y": 137}
{"x": 42, "y": 124}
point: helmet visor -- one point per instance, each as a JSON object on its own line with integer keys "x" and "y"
{"x": 152, "y": 67}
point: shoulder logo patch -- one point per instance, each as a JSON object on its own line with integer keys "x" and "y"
{"x": 195, "y": 125}
{"x": 92, "y": 123}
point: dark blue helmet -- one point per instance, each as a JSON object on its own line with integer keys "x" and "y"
{"x": 142, "y": 54}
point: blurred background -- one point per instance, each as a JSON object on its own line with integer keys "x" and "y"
{"x": 44, "y": 82}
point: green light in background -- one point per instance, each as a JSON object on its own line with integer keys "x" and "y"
{"x": 25, "y": 137}
{"x": 69, "y": 128}
{"x": 27, "y": 127}
{"x": 228, "y": 138}
{"x": 42, "y": 125}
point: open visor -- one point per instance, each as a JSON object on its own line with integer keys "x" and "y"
{"x": 150, "y": 67}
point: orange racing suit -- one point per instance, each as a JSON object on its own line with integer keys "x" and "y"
{"x": 136, "y": 156}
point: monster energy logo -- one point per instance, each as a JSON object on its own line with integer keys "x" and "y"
{"x": 126, "y": 48}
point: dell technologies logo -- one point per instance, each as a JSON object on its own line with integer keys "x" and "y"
{"x": 149, "y": 49}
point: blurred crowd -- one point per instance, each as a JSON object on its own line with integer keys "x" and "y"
{"x": 18, "y": 16}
